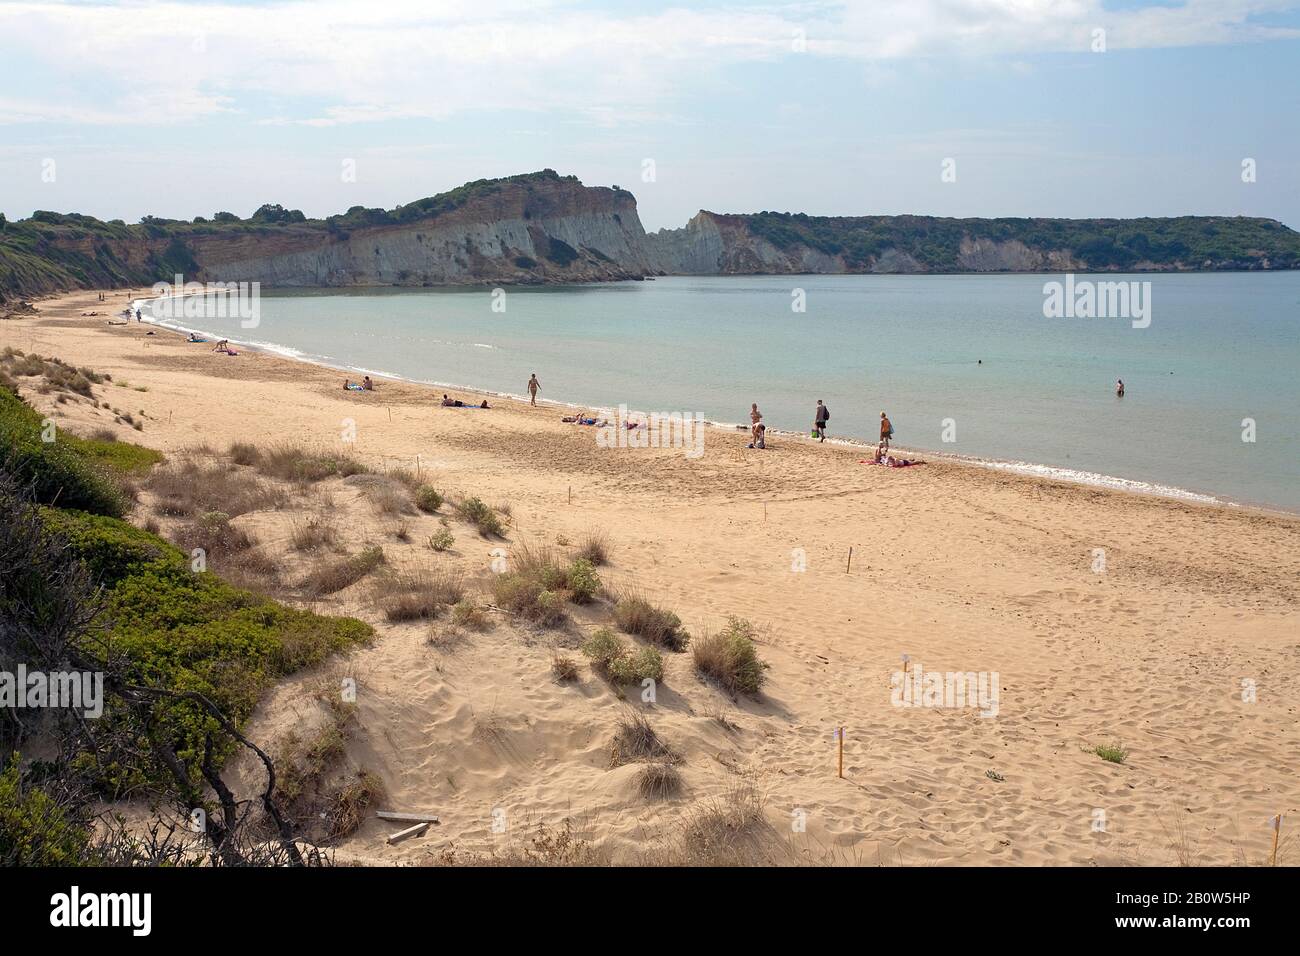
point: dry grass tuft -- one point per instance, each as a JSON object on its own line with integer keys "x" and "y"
{"x": 416, "y": 595}
{"x": 636, "y": 740}
{"x": 659, "y": 780}
{"x": 638, "y": 616}
{"x": 332, "y": 576}
{"x": 186, "y": 487}
{"x": 731, "y": 659}
{"x": 313, "y": 533}
{"x": 594, "y": 546}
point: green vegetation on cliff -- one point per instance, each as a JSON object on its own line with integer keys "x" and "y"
{"x": 1190, "y": 242}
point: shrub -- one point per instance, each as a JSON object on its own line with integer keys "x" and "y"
{"x": 192, "y": 487}
{"x": 58, "y": 471}
{"x": 482, "y": 517}
{"x": 291, "y": 462}
{"x": 411, "y": 596}
{"x": 594, "y": 547}
{"x": 243, "y": 453}
{"x": 121, "y": 457}
{"x": 563, "y": 669}
{"x": 441, "y": 540}
{"x": 313, "y": 533}
{"x": 427, "y": 499}
{"x": 1114, "y": 753}
{"x": 582, "y": 581}
{"x": 731, "y": 658}
{"x": 34, "y": 830}
{"x": 638, "y": 616}
{"x": 644, "y": 663}
{"x": 602, "y": 646}
{"x": 636, "y": 740}
{"x": 213, "y": 532}
{"x": 659, "y": 780}
{"x": 111, "y": 549}
{"x": 329, "y": 577}
{"x": 611, "y": 658}
{"x": 468, "y": 614}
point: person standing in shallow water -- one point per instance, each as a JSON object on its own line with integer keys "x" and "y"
{"x": 1119, "y": 388}
{"x": 533, "y": 386}
{"x": 886, "y": 430}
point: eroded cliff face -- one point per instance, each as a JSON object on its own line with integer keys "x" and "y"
{"x": 552, "y": 232}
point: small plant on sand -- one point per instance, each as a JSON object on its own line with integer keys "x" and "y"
{"x": 582, "y": 581}
{"x": 482, "y": 517}
{"x": 244, "y": 453}
{"x": 1114, "y": 753}
{"x": 536, "y": 588}
{"x": 563, "y": 669}
{"x": 659, "y": 780}
{"x": 594, "y": 546}
{"x": 427, "y": 499}
{"x": 213, "y": 532}
{"x": 466, "y": 613}
{"x": 613, "y": 660}
{"x": 329, "y": 577}
{"x": 635, "y": 740}
{"x": 638, "y": 616}
{"x": 416, "y": 595}
{"x": 313, "y": 533}
{"x": 731, "y": 658}
{"x": 441, "y": 540}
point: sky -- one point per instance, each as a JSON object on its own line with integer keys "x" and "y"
{"x": 1073, "y": 108}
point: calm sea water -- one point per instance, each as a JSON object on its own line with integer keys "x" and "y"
{"x": 975, "y": 350}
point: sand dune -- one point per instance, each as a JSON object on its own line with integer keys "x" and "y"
{"x": 959, "y": 568}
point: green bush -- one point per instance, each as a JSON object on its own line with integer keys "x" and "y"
{"x": 482, "y": 517}
{"x": 645, "y": 662}
{"x": 34, "y": 831}
{"x": 638, "y": 616}
{"x": 186, "y": 631}
{"x": 603, "y": 646}
{"x": 582, "y": 581}
{"x": 611, "y": 657}
{"x": 121, "y": 456}
{"x": 731, "y": 658}
{"x": 427, "y": 499}
{"x": 111, "y": 549}
{"x": 441, "y": 540}
{"x": 57, "y": 471}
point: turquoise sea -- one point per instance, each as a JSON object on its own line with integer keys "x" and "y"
{"x": 973, "y": 353}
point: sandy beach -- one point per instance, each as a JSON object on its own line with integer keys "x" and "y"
{"x": 1184, "y": 648}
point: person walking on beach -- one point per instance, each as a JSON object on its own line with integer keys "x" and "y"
{"x": 533, "y": 386}
{"x": 822, "y": 417}
{"x": 886, "y": 430}
{"x": 1119, "y": 388}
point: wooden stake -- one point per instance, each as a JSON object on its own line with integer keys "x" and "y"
{"x": 841, "y": 753}
{"x": 1277, "y": 831}
{"x": 397, "y": 817}
{"x": 850, "y": 562}
{"x": 390, "y": 413}
{"x": 570, "y": 494}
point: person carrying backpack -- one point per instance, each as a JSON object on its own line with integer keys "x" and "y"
{"x": 819, "y": 421}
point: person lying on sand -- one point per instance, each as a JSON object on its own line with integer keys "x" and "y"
{"x": 353, "y": 386}
{"x": 195, "y": 338}
{"x": 893, "y": 462}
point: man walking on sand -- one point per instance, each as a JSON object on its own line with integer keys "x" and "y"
{"x": 822, "y": 417}
{"x": 886, "y": 430}
{"x": 533, "y": 386}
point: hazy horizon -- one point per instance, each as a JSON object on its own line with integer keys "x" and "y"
{"x": 1076, "y": 110}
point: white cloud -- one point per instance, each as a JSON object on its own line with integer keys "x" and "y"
{"x": 171, "y": 62}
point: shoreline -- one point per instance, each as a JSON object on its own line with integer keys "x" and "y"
{"x": 1034, "y": 470}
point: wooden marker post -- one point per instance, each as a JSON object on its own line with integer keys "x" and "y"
{"x": 841, "y": 753}
{"x": 570, "y": 494}
{"x": 1277, "y": 831}
{"x": 850, "y": 561}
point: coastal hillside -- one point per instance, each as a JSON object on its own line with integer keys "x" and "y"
{"x": 769, "y": 243}
{"x": 546, "y": 228}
